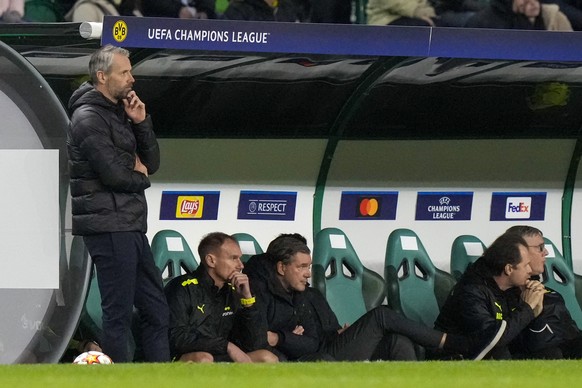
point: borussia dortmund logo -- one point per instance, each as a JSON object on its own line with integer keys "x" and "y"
{"x": 119, "y": 31}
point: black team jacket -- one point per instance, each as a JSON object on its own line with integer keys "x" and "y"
{"x": 204, "y": 318}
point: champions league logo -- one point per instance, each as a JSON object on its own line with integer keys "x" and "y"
{"x": 444, "y": 206}
{"x": 444, "y": 201}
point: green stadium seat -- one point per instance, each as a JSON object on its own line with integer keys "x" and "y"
{"x": 172, "y": 254}
{"x": 374, "y": 288}
{"x": 91, "y": 315}
{"x": 43, "y": 11}
{"x": 466, "y": 250}
{"x": 350, "y": 288}
{"x": 560, "y": 278}
{"x": 248, "y": 245}
{"x": 578, "y": 286}
{"x": 415, "y": 287}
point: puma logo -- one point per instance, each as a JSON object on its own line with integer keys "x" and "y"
{"x": 201, "y": 308}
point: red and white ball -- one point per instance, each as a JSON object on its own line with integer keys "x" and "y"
{"x": 93, "y": 357}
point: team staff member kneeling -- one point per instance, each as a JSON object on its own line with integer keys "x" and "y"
{"x": 212, "y": 312}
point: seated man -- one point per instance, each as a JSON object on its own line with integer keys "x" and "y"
{"x": 213, "y": 316}
{"x": 553, "y": 334}
{"x": 296, "y": 330}
{"x": 479, "y": 304}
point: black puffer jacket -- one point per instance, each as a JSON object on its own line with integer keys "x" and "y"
{"x": 107, "y": 194}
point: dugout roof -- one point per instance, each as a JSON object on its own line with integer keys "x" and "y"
{"x": 226, "y": 94}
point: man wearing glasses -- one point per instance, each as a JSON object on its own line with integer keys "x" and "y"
{"x": 553, "y": 334}
{"x": 483, "y": 301}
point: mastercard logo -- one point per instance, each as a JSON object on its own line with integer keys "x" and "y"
{"x": 369, "y": 207}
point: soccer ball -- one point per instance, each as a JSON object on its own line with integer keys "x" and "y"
{"x": 93, "y": 357}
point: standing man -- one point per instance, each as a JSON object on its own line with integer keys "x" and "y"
{"x": 112, "y": 150}
{"x": 481, "y": 302}
{"x": 213, "y": 316}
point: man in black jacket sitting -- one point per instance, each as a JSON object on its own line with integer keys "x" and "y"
{"x": 553, "y": 334}
{"x": 213, "y": 316}
{"x": 483, "y": 302}
{"x": 298, "y": 331}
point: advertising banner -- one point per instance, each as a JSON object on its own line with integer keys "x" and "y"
{"x": 267, "y": 205}
{"x": 368, "y": 205}
{"x": 337, "y": 39}
{"x": 518, "y": 206}
{"x": 189, "y": 205}
{"x": 444, "y": 206}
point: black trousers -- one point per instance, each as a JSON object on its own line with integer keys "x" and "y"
{"x": 128, "y": 277}
{"x": 379, "y": 328}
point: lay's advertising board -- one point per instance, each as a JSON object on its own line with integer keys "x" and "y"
{"x": 189, "y": 205}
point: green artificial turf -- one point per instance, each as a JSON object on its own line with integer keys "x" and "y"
{"x": 491, "y": 374}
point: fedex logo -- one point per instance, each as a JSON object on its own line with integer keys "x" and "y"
{"x": 511, "y": 206}
{"x": 518, "y": 207}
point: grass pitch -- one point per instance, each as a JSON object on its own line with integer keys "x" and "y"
{"x": 434, "y": 374}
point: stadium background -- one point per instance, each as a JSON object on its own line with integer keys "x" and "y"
{"x": 314, "y": 128}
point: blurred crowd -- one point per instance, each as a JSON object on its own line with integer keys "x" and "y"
{"x": 555, "y": 15}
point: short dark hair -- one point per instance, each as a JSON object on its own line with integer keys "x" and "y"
{"x": 212, "y": 242}
{"x": 102, "y": 59}
{"x": 285, "y": 246}
{"x": 504, "y": 250}
{"x": 525, "y": 231}
{"x": 292, "y": 235}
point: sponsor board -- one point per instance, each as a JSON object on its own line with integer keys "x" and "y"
{"x": 368, "y": 205}
{"x": 518, "y": 206}
{"x": 267, "y": 205}
{"x": 234, "y": 35}
{"x": 189, "y": 205}
{"x": 321, "y": 38}
{"x": 444, "y": 206}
